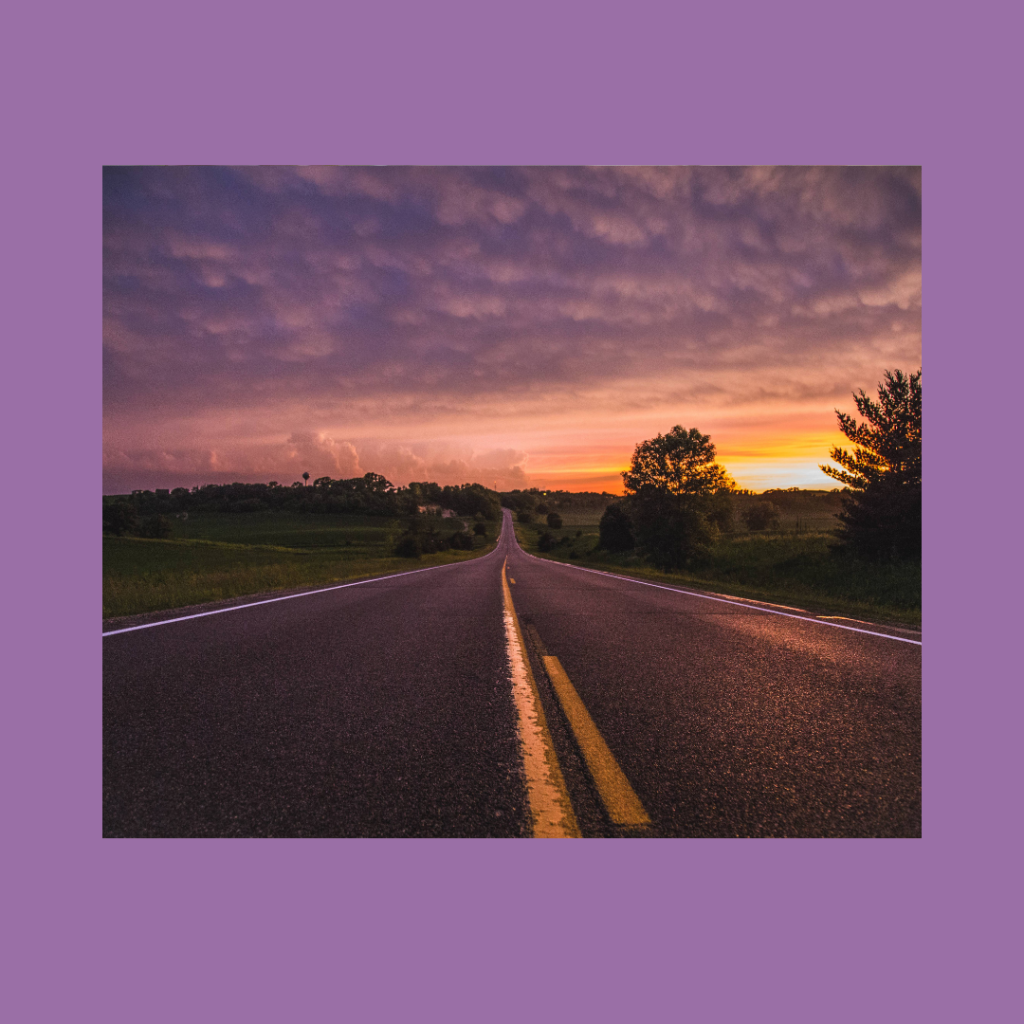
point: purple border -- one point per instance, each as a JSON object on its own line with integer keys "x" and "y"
{"x": 709, "y": 931}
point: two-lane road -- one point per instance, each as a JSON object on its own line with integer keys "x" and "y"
{"x": 389, "y": 708}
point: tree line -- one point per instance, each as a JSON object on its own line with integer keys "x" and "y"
{"x": 145, "y": 512}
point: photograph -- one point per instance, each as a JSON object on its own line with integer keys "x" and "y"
{"x": 528, "y": 501}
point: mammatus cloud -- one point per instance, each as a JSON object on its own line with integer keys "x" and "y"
{"x": 262, "y": 317}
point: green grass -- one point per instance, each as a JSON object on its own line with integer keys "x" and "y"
{"x": 793, "y": 568}
{"x": 213, "y": 557}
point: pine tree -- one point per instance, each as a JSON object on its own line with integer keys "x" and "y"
{"x": 881, "y": 517}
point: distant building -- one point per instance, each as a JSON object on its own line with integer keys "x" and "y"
{"x": 435, "y": 510}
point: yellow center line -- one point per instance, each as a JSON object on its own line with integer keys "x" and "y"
{"x": 620, "y": 801}
{"x": 551, "y": 812}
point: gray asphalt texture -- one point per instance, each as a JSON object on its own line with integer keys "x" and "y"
{"x": 385, "y": 709}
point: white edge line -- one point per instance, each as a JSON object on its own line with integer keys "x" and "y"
{"x": 288, "y": 597}
{"x": 725, "y": 600}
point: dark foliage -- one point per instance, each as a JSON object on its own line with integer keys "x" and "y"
{"x": 546, "y": 542}
{"x": 615, "y": 530}
{"x": 370, "y": 494}
{"x": 408, "y": 546}
{"x": 543, "y": 502}
{"x": 155, "y": 527}
{"x": 554, "y": 520}
{"x": 881, "y": 517}
{"x": 422, "y": 536}
{"x": 670, "y": 529}
{"x": 461, "y": 542}
{"x": 525, "y": 517}
{"x": 676, "y": 493}
{"x": 719, "y": 509}
{"x": 119, "y": 518}
{"x": 760, "y": 516}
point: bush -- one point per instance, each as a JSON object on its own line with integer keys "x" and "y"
{"x": 156, "y": 527}
{"x": 760, "y": 516}
{"x": 546, "y": 542}
{"x": 616, "y": 531}
{"x": 525, "y": 517}
{"x": 480, "y": 529}
{"x": 119, "y": 518}
{"x": 408, "y": 546}
{"x": 554, "y": 521}
{"x": 720, "y": 510}
{"x": 460, "y": 542}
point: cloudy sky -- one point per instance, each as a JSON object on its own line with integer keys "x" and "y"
{"x": 513, "y": 326}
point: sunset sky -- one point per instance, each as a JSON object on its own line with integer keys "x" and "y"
{"x": 513, "y": 326}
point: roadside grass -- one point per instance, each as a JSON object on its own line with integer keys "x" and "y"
{"x": 217, "y": 556}
{"x": 794, "y": 568}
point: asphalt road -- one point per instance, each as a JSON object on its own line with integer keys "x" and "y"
{"x": 386, "y": 709}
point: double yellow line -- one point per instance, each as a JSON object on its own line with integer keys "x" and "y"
{"x": 550, "y": 807}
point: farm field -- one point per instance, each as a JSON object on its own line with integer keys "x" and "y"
{"x": 218, "y": 556}
{"x": 790, "y": 565}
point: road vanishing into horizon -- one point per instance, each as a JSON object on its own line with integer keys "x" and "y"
{"x": 509, "y": 696}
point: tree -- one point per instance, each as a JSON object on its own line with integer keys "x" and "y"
{"x": 881, "y": 515}
{"x": 671, "y": 489}
{"x": 554, "y": 520}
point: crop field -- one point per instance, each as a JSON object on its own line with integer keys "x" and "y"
{"x": 791, "y": 565}
{"x": 217, "y": 556}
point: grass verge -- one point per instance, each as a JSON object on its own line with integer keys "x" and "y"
{"x": 214, "y": 558}
{"x": 793, "y": 569}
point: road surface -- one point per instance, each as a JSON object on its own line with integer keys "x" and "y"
{"x": 509, "y": 696}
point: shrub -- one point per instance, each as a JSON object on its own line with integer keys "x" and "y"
{"x": 460, "y": 542}
{"x": 546, "y": 542}
{"x": 119, "y": 518}
{"x": 554, "y": 521}
{"x": 408, "y": 546}
{"x": 155, "y": 527}
{"x": 480, "y": 529}
{"x": 760, "y": 516}
{"x": 525, "y": 517}
{"x": 615, "y": 531}
{"x": 720, "y": 510}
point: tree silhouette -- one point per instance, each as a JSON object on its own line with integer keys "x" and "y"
{"x": 671, "y": 488}
{"x": 881, "y": 515}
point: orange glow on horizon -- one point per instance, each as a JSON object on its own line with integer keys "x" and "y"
{"x": 756, "y": 463}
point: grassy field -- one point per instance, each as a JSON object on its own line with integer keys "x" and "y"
{"x": 212, "y": 557}
{"x": 790, "y": 565}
